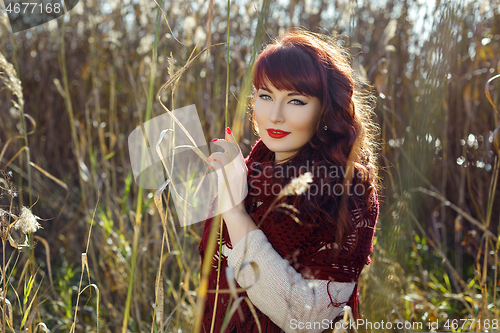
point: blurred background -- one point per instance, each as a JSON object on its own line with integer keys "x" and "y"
{"x": 86, "y": 80}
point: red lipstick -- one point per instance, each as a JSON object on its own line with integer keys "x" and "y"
{"x": 276, "y": 134}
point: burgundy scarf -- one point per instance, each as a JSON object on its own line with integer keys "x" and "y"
{"x": 306, "y": 248}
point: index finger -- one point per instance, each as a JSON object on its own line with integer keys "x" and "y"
{"x": 230, "y": 136}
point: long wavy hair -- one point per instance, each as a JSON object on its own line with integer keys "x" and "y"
{"x": 316, "y": 65}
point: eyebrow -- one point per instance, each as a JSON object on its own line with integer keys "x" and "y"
{"x": 290, "y": 94}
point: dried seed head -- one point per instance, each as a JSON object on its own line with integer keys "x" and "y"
{"x": 4, "y": 232}
{"x": 4, "y": 225}
{"x": 10, "y": 79}
{"x": 11, "y": 193}
{"x": 27, "y": 222}
{"x": 298, "y": 185}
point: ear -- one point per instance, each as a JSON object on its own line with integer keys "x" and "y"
{"x": 320, "y": 120}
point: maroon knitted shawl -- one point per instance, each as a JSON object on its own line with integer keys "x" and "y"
{"x": 306, "y": 248}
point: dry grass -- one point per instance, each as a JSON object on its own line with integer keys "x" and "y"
{"x": 83, "y": 87}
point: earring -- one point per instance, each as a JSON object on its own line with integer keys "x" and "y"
{"x": 325, "y": 128}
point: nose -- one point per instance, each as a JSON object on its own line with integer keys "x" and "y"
{"x": 276, "y": 115}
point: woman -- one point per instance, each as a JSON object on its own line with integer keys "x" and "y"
{"x": 312, "y": 116}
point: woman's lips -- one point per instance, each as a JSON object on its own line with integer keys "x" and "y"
{"x": 276, "y": 134}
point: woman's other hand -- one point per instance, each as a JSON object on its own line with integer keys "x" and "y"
{"x": 232, "y": 164}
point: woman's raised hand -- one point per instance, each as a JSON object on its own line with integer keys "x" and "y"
{"x": 231, "y": 175}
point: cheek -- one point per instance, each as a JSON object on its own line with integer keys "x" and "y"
{"x": 259, "y": 114}
{"x": 312, "y": 118}
{"x": 304, "y": 124}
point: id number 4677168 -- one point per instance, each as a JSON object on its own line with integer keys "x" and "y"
{"x": 33, "y": 8}
{"x": 485, "y": 324}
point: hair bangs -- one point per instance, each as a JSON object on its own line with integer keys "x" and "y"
{"x": 288, "y": 68}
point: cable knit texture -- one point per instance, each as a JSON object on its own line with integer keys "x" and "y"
{"x": 280, "y": 292}
{"x": 308, "y": 249}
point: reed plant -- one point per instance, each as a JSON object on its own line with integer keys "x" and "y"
{"x": 71, "y": 91}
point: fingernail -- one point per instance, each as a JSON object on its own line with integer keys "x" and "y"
{"x": 214, "y": 140}
{"x": 228, "y": 130}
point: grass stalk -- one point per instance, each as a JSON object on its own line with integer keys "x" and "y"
{"x": 226, "y": 111}
{"x": 4, "y": 291}
{"x": 227, "y": 63}
{"x": 138, "y": 215}
{"x": 246, "y": 87}
{"x": 205, "y": 272}
{"x": 86, "y": 266}
{"x": 69, "y": 107}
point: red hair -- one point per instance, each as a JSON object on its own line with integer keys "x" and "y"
{"x": 315, "y": 65}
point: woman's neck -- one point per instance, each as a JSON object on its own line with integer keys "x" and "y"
{"x": 282, "y": 157}
{"x": 283, "y": 160}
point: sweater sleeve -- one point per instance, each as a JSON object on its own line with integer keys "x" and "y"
{"x": 281, "y": 293}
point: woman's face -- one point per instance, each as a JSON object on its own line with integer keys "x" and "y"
{"x": 285, "y": 119}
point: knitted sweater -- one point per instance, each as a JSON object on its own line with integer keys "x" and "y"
{"x": 281, "y": 293}
{"x": 305, "y": 255}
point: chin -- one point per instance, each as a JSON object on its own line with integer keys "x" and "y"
{"x": 289, "y": 151}
{"x": 272, "y": 146}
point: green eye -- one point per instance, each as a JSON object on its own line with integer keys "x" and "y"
{"x": 299, "y": 102}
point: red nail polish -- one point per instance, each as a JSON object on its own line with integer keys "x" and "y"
{"x": 214, "y": 140}
{"x": 228, "y": 130}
